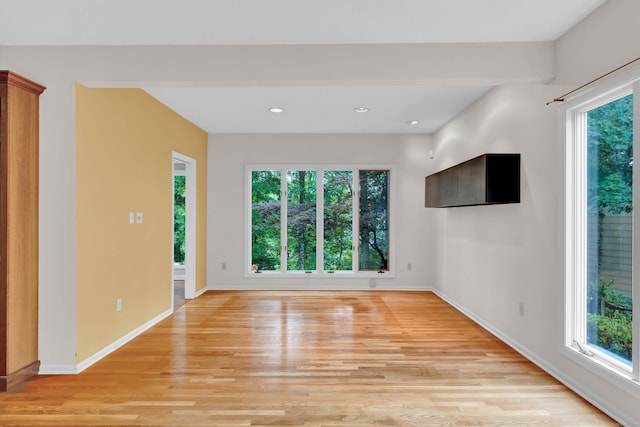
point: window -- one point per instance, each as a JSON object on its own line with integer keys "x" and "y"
{"x": 265, "y": 219}
{"x": 601, "y": 318}
{"x": 179, "y": 217}
{"x": 338, "y": 220}
{"x": 319, "y": 220}
{"x": 301, "y": 220}
{"x": 374, "y": 220}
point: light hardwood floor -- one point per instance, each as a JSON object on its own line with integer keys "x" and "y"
{"x": 247, "y": 358}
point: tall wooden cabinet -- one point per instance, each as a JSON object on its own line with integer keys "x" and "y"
{"x": 19, "y": 122}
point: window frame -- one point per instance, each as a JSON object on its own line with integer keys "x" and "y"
{"x": 573, "y": 235}
{"x": 319, "y": 272}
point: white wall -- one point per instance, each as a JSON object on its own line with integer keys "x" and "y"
{"x": 228, "y": 154}
{"x": 604, "y": 40}
{"x": 59, "y": 68}
{"x": 496, "y": 257}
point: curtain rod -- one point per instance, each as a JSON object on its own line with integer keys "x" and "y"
{"x": 561, "y": 97}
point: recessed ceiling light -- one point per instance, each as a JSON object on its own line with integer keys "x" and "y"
{"x": 361, "y": 109}
{"x": 413, "y": 122}
{"x": 276, "y": 110}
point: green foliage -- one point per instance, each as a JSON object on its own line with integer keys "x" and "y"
{"x": 610, "y": 155}
{"x": 613, "y": 333}
{"x": 338, "y": 220}
{"x": 265, "y": 219}
{"x": 301, "y": 220}
{"x": 611, "y": 297}
{"x": 610, "y": 326}
{"x": 179, "y": 218}
{"x": 609, "y": 190}
{"x": 374, "y": 220}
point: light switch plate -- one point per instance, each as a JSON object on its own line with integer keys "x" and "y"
{"x": 139, "y": 217}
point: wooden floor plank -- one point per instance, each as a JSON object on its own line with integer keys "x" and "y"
{"x": 313, "y": 358}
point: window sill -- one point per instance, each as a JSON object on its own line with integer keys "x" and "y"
{"x": 316, "y": 275}
{"x": 616, "y": 377}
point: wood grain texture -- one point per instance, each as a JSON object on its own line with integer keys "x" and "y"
{"x": 256, "y": 358}
{"x": 19, "y": 122}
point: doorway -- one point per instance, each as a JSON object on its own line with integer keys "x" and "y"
{"x": 184, "y": 229}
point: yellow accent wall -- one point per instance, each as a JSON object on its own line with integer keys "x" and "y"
{"x": 124, "y": 144}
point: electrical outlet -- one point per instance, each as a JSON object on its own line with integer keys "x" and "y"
{"x": 409, "y": 266}
{"x": 139, "y": 217}
{"x": 224, "y": 265}
{"x": 521, "y": 309}
{"x": 373, "y": 283}
{"x": 119, "y": 304}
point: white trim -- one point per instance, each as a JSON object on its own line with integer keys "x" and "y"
{"x": 572, "y": 118}
{"x": 201, "y": 291}
{"x": 122, "y": 341}
{"x": 190, "y": 224}
{"x": 635, "y": 267}
{"x": 298, "y": 285}
{"x": 597, "y": 366}
{"x": 320, "y": 214}
{"x": 571, "y": 238}
{"x": 76, "y": 369}
{"x": 284, "y": 221}
{"x": 178, "y": 271}
{"x": 58, "y": 370}
{"x": 558, "y": 374}
{"x": 390, "y": 273}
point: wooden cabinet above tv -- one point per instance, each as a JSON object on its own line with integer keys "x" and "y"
{"x": 485, "y": 180}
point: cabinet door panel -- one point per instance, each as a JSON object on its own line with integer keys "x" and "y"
{"x": 19, "y": 109}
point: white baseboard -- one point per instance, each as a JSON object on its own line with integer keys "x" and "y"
{"x": 297, "y": 286}
{"x": 120, "y": 342}
{"x": 571, "y": 383}
{"x": 201, "y": 291}
{"x": 58, "y": 369}
{"x": 76, "y": 369}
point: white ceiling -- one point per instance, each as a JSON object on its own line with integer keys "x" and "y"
{"x": 197, "y": 22}
{"x": 299, "y": 22}
{"x": 319, "y": 109}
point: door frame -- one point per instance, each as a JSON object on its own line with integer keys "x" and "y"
{"x": 190, "y": 224}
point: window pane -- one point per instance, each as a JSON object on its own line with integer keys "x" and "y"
{"x": 265, "y": 219}
{"x": 301, "y": 220}
{"x": 179, "y": 217}
{"x": 609, "y": 227}
{"x": 374, "y": 220}
{"x": 338, "y": 220}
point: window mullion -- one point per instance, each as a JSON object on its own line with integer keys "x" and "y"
{"x": 356, "y": 220}
{"x": 579, "y": 317}
{"x": 320, "y": 220}
{"x": 283, "y": 220}
{"x": 635, "y": 287}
